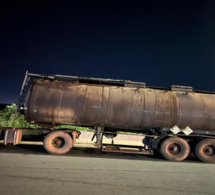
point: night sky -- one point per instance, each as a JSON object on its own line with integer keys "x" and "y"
{"x": 157, "y": 42}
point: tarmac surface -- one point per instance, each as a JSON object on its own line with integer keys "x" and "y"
{"x": 28, "y": 169}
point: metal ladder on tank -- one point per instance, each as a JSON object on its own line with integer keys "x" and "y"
{"x": 23, "y": 91}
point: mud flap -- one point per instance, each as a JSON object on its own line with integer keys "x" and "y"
{"x": 12, "y": 136}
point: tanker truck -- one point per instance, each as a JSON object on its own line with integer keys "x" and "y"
{"x": 175, "y": 121}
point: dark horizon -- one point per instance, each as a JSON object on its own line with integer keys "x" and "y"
{"x": 159, "y": 43}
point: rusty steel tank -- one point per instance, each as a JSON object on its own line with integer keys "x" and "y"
{"x": 113, "y": 103}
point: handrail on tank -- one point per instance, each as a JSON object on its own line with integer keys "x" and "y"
{"x": 90, "y": 80}
{"x": 117, "y": 82}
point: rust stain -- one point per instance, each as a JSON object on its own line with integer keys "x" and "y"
{"x": 65, "y": 102}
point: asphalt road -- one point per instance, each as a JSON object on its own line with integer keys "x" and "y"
{"x": 28, "y": 169}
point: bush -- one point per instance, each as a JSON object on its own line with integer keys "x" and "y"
{"x": 78, "y": 128}
{"x": 9, "y": 117}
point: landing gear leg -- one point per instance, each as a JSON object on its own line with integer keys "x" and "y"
{"x": 99, "y": 136}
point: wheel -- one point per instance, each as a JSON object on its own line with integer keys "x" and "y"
{"x": 175, "y": 149}
{"x": 205, "y": 150}
{"x": 58, "y": 142}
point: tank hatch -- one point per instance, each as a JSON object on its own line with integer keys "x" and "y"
{"x": 181, "y": 88}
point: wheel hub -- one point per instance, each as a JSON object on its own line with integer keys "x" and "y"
{"x": 58, "y": 142}
{"x": 174, "y": 148}
{"x": 209, "y": 150}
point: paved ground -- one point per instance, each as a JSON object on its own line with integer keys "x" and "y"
{"x": 30, "y": 170}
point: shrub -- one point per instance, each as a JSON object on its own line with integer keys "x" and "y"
{"x": 9, "y": 117}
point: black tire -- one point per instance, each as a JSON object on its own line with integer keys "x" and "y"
{"x": 205, "y": 150}
{"x": 175, "y": 149}
{"x": 58, "y": 142}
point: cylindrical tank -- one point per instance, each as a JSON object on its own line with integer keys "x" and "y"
{"x": 63, "y": 102}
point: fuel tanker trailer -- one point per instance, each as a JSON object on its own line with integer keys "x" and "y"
{"x": 175, "y": 120}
